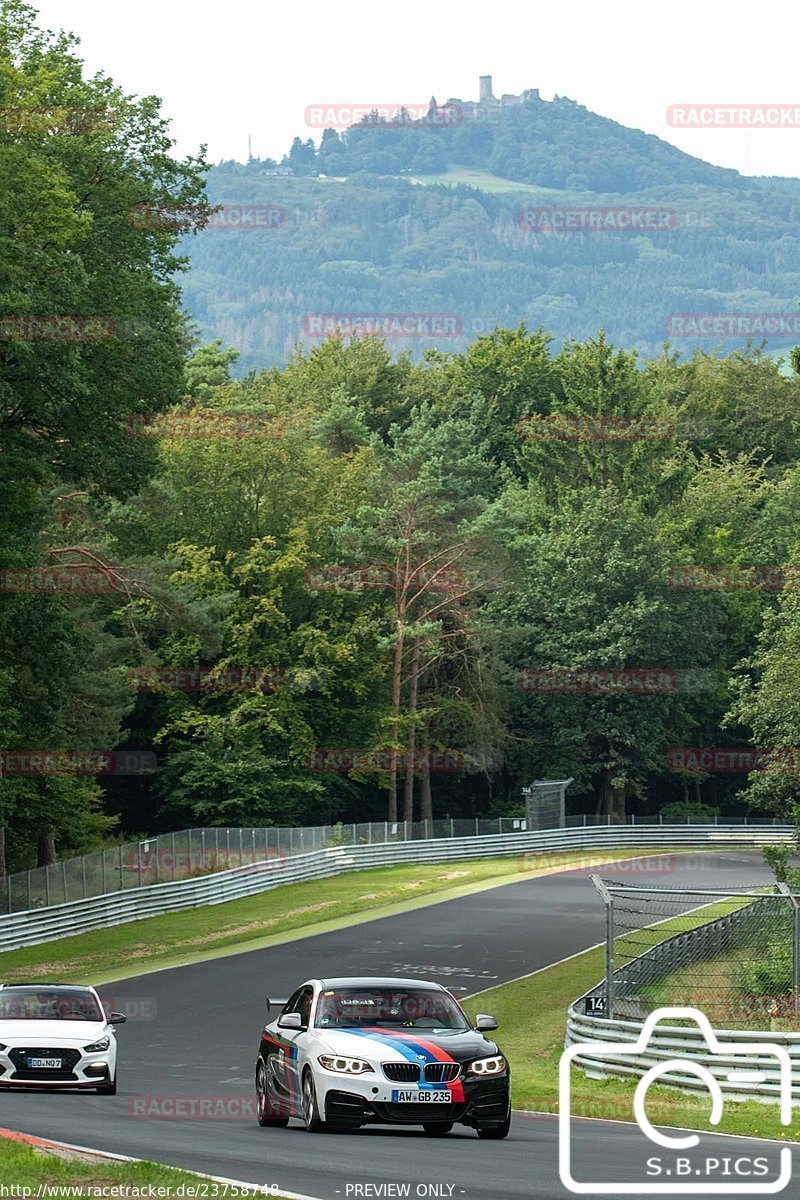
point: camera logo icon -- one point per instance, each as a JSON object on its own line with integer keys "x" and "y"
{"x": 702, "y": 1170}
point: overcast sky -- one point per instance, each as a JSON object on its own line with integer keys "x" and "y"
{"x": 229, "y": 68}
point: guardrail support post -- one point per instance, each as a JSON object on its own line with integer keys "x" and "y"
{"x": 784, "y": 890}
{"x": 608, "y": 900}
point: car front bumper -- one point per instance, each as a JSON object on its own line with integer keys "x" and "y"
{"x": 78, "y": 1069}
{"x": 485, "y": 1102}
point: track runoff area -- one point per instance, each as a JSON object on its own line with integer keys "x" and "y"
{"x": 186, "y": 1095}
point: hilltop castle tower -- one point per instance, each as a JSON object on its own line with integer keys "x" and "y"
{"x": 485, "y": 83}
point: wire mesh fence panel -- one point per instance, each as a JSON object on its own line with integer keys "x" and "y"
{"x": 545, "y": 803}
{"x": 186, "y": 853}
{"x": 733, "y": 955}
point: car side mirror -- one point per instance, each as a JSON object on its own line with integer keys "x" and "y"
{"x": 117, "y": 1019}
{"x": 291, "y": 1020}
{"x": 483, "y": 1023}
{"x": 268, "y": 1003}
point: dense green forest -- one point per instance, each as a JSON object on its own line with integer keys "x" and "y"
{"x": 383, "y": 244}
{"x": 360, "y": 558}
{"x": 554, "y": 144}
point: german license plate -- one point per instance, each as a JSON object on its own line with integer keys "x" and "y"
{"x": 45, "y": 1064}
{"x": 412, "y": 1096}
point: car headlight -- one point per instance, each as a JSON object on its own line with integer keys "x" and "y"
{"x": 344, "y": 1066}
{"x": 3, "y": 1047}
{"x": 488, "y": 1066}
{"x": 96, "y": 1047}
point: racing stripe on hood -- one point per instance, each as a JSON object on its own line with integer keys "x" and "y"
{"x": 415, "y": 1049}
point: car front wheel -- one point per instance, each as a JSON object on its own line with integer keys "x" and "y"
{"x": 263, "y": 1104}
{"x": 311, "y": 1117}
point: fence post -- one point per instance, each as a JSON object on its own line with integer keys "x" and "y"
{"x": 83, "y": 874}
{"x": 784, "y": 890}
{"x": 477, "y": 831}
{"x": 64, "y": 878}
{"x": 386, "y": 831}
{"x": 608, "y": 900}
{"x": 47, "y": 883}
{"x": 452, "y": 828}
{"x": 121, "y": 868}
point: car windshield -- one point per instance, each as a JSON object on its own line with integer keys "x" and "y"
{"x": 395, "y": 1008}
{"x": 43, "y": 1004}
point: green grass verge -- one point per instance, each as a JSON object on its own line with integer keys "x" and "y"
{"x": 22, "y": 1166}
{"x": 532, "y": 1016}
{"x": 279, "y": 915}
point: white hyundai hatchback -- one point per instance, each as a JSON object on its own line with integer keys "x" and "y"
{"x": 57, "y": 1035}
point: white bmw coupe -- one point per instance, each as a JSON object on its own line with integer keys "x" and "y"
{"x": 349, "y": 1052}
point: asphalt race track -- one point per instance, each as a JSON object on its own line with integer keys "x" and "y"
{"x": 203, "y": 1033}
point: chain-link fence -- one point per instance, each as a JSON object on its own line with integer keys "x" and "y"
{"x": 192, "y": 852}
{"x": 545, "y": 803}
{"x": 734, "y": 954}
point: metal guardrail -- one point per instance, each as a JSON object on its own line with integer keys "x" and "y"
{"x": 79, "y": 916}
{"x": 678, "y": 1041}
{"x": 188, "y": 853}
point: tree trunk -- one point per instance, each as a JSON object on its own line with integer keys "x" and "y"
{"x": 397, "y": 672}
{"x": 408, "y": 796}
{"x": 613, "y": 800}
{"x": 46, "y": 848}
{"x": 425, "y": 801}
